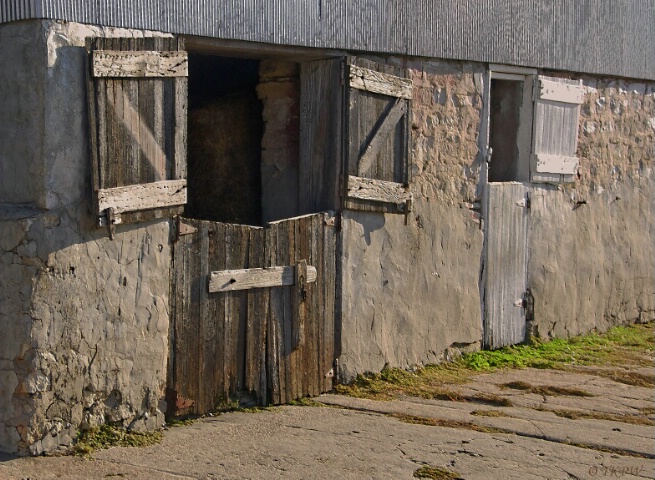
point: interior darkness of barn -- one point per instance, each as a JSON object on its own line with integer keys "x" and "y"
{"x": 225, "y": 130}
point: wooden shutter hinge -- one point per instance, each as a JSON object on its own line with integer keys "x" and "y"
{"x": 110, "y": 219}
{"x": 525, "y": 202}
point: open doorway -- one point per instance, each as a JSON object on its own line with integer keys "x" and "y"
{"x": 225, "y": 129}
{"x": 243, "y": 137}
{"x": 510, "y": 129}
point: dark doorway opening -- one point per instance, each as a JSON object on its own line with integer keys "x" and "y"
{"x": 505, "y": 110}
{"x": 225, "y": 128}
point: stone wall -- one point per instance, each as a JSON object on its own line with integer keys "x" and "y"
{"x": 84, "y": 318}
{"x": 279, "y": 91}
{"x": 410, "y": 291}
{"x": 592, "y": 243}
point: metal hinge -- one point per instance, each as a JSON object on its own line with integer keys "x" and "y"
{"x": 525, "y": 202}
{"x": 527, "y": 303}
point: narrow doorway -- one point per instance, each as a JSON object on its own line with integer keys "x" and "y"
{"x": 506, "y": 212}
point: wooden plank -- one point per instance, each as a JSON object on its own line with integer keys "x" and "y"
{"x": 380, "y": 135}
{"x": 560, "y": 92}
{"x": 94, "y": 144}
{"x": 276, "y": 311}
{"x": 179, "y": 164}
{"x": 314, "y": 312}
{"x": 377, "y": 190}
{"x": 298, "y": 325}
{"x": 191, "y": 345}
{"x": 559, "y": 164}
{"x": 238, "y": 257}
{"x": 249, "y": 278}
{"x": 296, "y": 354}
{"x": 206, "y": 330}
{"x": 329, "y": 277}
{"x": 382, "y": 83}
{"x": 111, "y": 63}
{"x": 505, "y": 264}
{"x": 216, "y": 312}
{"x": 142, "y": 197}
{"x": 273, "y": 338}
{"x": 321, "y": 111}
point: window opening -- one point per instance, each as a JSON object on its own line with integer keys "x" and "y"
{"x": 225, "y": 127}
{"x": 505, "y": 107}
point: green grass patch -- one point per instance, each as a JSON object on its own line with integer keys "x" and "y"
{"x": 435, "y": 473}
{"x": 631, "y": 345}
{"x": 106, "y": 436}
{"x": 181, "y": 422}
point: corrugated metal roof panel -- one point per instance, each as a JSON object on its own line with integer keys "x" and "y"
{"x": 614, "y": 37}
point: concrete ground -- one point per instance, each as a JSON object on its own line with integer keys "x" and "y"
{"x": 356, "y": 438}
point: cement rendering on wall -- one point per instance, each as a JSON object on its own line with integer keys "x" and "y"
{"x": 592, "y": 243}
{"x": 23, "y": 84}
{"x": 84, "y": 318}
{"x": 410, "y": 291}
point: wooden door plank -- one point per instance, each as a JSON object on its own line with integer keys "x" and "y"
{"x": 378, "y": 190}
{"x": 381, "y": 83}
{"x": 380, "y": 135}
{"x": 132, "y": 198}
{"x": 273, "y": 330}
{"x": 314, "y": 313}
{"x": 251, "y": 278}
{"x": 505, "y": 264}
{"x": 321, "y": 156}
{"x": 132, "y": 64}
{"x": 206, "y": 332}
{"x": 329, "y": 288}
{"x": 215, "y": 310}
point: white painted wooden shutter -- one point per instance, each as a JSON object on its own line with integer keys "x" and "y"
{"x": 555, "y": 130}
{"x": 137, "y": 94}
{"x": 378, "y": 136}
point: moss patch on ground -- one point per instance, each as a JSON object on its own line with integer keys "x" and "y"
{"x": 435, "y": 473}
{"x": 634, "y": 419}
{"x": 106, "y": 436}
{"x": 442, "y": 422}
{"x": 621, "y": 346}
{"x": 549, "y": 390}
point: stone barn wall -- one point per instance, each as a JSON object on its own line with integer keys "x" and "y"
{"x": 411, "y": 292}
{"x": 592, "y": 248}
{"x": 84, "y": 319}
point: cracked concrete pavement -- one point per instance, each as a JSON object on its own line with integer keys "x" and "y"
{"x": 360, "y": 438}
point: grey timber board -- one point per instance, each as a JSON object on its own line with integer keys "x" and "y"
{"x": 321, "y": 101}
{"x": 137, "y": 126}
{"x": 505, "y": 264}
{"x": 589, "y": 36}
{"x": 276, "y": 339}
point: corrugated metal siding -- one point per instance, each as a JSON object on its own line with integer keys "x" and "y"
{"x": 614, "y": 37}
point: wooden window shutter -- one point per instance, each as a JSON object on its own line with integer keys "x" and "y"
{"x": 378, "y": 137}
{"x": 137, "y": 94}
{"x": 555, "y": 130}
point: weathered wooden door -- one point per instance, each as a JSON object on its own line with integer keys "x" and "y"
{"x": 253, "y": 312}
{"x": 505, "y": 263}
